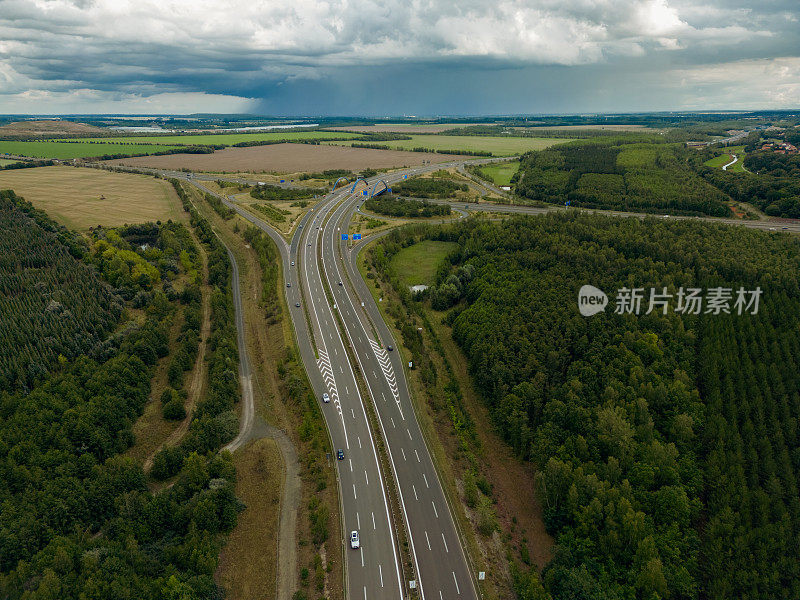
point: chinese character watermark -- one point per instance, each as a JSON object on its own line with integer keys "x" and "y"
{"x": 684, "y": 301}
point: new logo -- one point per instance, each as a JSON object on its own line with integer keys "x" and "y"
{"x": 591, "y": 300}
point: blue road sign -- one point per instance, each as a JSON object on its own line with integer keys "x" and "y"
{"x": 390, "y": 190}
{"x": 344, "y": 236}
{"x": 405, "y": 176}
{"x": 283, "y": 181}
{"x": 356, "y": 236}
{"x": 364, "y": 192}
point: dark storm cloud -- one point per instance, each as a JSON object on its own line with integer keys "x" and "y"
{"x": 423, "y": 57}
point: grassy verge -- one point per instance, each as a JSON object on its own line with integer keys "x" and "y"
{"x": 247, "y": 566}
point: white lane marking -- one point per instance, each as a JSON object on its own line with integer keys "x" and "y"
{"x": 427, "y": 539}
{"x": 362, "y": 564}
{"x": 366, "y": 476}
{"x": 415, "y": 492}
{"x": 426, "y": 481}
{"x": 409, "y": 434}
{"x": 359, "y": 442}
{"x": 445, "y": 543}
{"x": 458, "y": 591}
{"x": 351, "y": 464}
{"x": 392, "y": 419}
{"x": 341, "y": 370}
{"x": 440, "y": 595}
{"x": 417, "y": 455}
{"x": 404, "y": 453}
{"x": 354, "y": 492}
{"x": 365, "y": 587}
{"x": 434, "y": 509}
{"x": 380, "y": 572}
{"x": 358, "y": 520}
{"x": 373, "y": 521}
{"x": 352, "y": 412}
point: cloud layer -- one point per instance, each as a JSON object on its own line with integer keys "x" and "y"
{"x": 202, "y": 55}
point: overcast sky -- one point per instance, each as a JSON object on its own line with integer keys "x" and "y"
{"x": 392, "y": 57}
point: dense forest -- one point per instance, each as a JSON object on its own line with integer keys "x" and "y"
{"x": 77, "y": 518}
{"x": 54, "y": 305}
{"x": 428, "y": 187}
{"x": 394, "y": 206}
{"x": 615, "y": 174}
{"x": 667, "y": 444}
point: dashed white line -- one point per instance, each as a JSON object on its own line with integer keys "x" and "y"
{"x": 417, "y": 455}
{"x": 409, "y": 434}
{"x": 351, "y": 464}
{"x": 359, "y": 442}
{"x": 392, "y": 419}
{"x": 362, "y": 564}
{"x": 354, "y": 492}
{"x": 427, "y": 539}
{"x": 404, "y": 453}
{"x": 373, "y": 521}
{"x": 380, "y": 572}
{"x": 358, "y": 520}
{"x": 456, "y": 582}
{"x": 352, "y": 412}
{"x": 434, "y": 509}
{"x": 413, "y": 488}
{"x": 445, "y": 543}
{"x": 426, "y": 481}
{"x": 366, "y": 476}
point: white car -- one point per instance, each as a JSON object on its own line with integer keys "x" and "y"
{"x": 292, "y": 263}
{"x": 325, "y": 397}
{"x": 354, "y": 542}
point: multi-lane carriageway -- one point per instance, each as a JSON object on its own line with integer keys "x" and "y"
{"x": 330, "y": 320}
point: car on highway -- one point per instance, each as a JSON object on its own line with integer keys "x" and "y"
{"x": 340, "y": 454}
{"x": 292, "y": 263}
{"x": 355, "y": 543}
{"x": 784, "y": 228}
{"x": 340, "y": 283}
{"x": 297, "y": 304}
{"x": 325, "y": 397}
{"x": 288, "y": 284}
{"x": 390, "y": 348}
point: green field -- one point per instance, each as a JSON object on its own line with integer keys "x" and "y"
{"x": 417, "y": 264}
{"x": 5, "y": 161}
{"x": 67, "y": 150}
{"x": 228, "y": 139}
{"x": 497, "y": 145}
{"x": 501, "y": 173}
{"x": 719, "y": 161}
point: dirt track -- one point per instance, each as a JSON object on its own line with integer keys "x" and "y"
{"x": 286, "y": 158}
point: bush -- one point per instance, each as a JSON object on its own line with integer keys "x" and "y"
{"x": 174, "y": 410}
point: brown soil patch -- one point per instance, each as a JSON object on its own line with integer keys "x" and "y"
{"x": 48, "y": 128}
{"x": 286, "y": 158}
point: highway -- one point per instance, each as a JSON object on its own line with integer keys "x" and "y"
{"x": 315, "y": 261}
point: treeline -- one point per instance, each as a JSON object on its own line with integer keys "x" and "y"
{"x": 428, "y": 187}
{"x": 405, "y": 207}
{"x": 219, "y": 207}
{"x": 454, "y": 151}
{"x": 667, "y": 445}
{"x": 612, "y": 174}
{"x": 277, "y": 215}
{"x": 78, "y": 520}
{"x": 27, "y": 164}
{"x": 54, "y": 306}
{"x": 275, "y": 192}
{"x": 214, "y": 420}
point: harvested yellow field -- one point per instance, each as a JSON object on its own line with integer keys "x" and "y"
{"x": 82, "y": 198}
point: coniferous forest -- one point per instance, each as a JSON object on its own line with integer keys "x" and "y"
{"x": 77, "y": 519}
{"x": 667, "y": 444}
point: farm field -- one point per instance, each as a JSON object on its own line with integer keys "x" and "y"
{"x": 227, "y": 139}
{"x": 68, "y": 150}
{"x": 417, "y": 264}
{"x": 5, "y": 161}
{"x": 286, "y": 158}
{"x": 404, "y": 127}
{"x": 498, "y": 146}
{"x": 72, "y": 196}
{"x": 501, "y": 173}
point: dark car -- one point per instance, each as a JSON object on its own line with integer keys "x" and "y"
{"x": 390, "y": 348}
{"x": 340, "y": 454}
{"x": 297, "y": 304}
